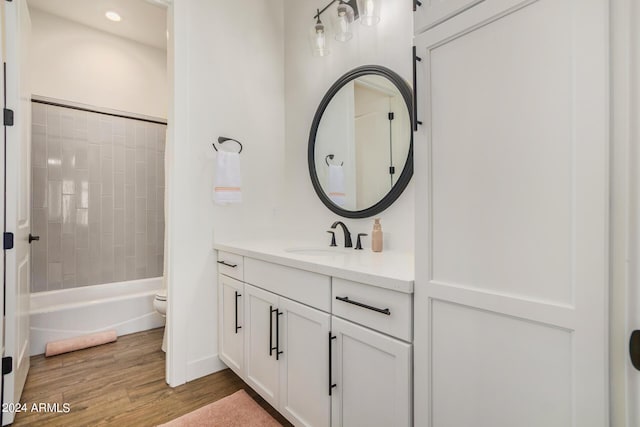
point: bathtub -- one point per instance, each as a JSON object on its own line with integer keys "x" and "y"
{"x": 126, "y": 307}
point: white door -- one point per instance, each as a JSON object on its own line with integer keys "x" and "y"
{"x": 512, "y": 217}
{"x": 3, "y": 59}
{"x": 304, "y": 374}
{"x": 18, "y": 221}
{"x": 261, "y": 342}
{"x": 231, "y": 321}
{"x": 372, "y": 374}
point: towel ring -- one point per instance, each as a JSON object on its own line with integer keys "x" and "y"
{"x": 331, "y": 156}
{"x": 223, "y": 139}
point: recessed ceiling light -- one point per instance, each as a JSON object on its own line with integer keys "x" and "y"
{"x": 113, "y": 16}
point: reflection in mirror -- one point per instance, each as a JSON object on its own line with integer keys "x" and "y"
{"x": 361, "y": 141}
{"x": 367, "y": 129}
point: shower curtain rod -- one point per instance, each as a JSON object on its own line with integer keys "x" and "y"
{"x": 91, "y": 109}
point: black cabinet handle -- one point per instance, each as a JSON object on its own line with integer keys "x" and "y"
{"x": 416, "y": 59}
{"x": 278, "y": 352}
{"x": 237, "y": 327}
{"x": 331, "y": 384}
{"x": 32, "y": 238}
{"x": 271, "y": 347}
{"x": 634, "y": 349}
{"x": 227, "y": 264}
{"x": 416, "y": 3}
{"x": 368, "y": 307}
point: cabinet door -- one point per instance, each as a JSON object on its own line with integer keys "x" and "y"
{"x": 372, "y": 373}
{"x": 304, "y": 380}
{"x": 433, "y": 12}
{"x": 261, "y": 370}
{"x": 512, "y": 197}
{"x": 230, "y": 323}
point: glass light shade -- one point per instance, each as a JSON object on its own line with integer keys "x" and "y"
{"x": 342, "y": 20}
{"x": 318, "y": 39}
{"x": 369, "y": 12}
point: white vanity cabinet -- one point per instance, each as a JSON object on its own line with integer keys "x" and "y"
{"x": 371, "y": 370}
{"x": 287, "y": 356}
{"x": 372, "y": 377}
{"x": 322, "y": 350}
{"x": 230, "y": 323}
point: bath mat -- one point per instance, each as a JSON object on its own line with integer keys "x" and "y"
{"x": 236, "y": 410}
{"x": 72, "y": 344}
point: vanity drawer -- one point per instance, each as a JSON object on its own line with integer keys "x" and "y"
{"x": 309, "y": 288}
{"x": 231, "y": 265}
{"x": 381, "y": 309}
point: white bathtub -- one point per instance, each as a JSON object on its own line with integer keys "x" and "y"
{"x": 126, "y": 307}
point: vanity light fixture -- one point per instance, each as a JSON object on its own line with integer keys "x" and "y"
{"x": 343, "y": 16}
{"x": 113, "y": 16}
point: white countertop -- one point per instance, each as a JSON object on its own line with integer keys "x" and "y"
{"x": 388, "y": 269}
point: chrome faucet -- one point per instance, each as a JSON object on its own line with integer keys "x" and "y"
{"x": 347, "y": 234}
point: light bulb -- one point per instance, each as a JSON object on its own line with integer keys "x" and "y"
{"x": 370, "y": 15}
{"x": 342, "y": 23}
{"x": 320, "y": 38}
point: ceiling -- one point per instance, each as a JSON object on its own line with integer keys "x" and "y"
{"x": 144, "y": 21}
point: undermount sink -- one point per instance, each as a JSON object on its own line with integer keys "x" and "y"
{"x": 317, "y": 251}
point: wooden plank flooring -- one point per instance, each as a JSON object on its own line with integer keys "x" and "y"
{"x": 123, "y": 384}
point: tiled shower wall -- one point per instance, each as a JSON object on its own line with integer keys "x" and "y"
{"x": 97, "y": 198}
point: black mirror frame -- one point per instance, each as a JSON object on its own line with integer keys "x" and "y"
{"x": 407, "y": 171}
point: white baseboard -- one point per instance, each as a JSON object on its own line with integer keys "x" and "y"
{"x": 205, "y": 366}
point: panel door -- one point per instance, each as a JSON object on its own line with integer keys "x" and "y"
{"x": 231, "y": 323}
{"x": 17, "y": 199}
{"x": 433, "y": 12}
{"x": 511, "y": 208}
{"x": 304, "y": 374}
{"x": 372, "y": 374}
{"x": 262, "y": 367}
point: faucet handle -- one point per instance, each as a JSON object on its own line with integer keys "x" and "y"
{"x": 359, "y": 243}
{"x": 333, "y": 237}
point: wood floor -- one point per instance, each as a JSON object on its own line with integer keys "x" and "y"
{"x": 123, "y": 384}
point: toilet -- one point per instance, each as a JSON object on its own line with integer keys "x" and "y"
{"x": 160, "y": 304}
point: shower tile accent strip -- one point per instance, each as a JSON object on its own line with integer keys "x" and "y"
{"x": 97, "y": 198}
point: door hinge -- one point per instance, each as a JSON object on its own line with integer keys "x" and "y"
{"x": 8, "y": 241}
{"x": 7, "y": 365}
{"x": 7, "y": 117}
{"x": 391, "y": 116}
{"x": 392, "y": 170}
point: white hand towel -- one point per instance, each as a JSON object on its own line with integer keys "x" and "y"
{"x": 337, "y": 192}
{"x": 228, "y": 183}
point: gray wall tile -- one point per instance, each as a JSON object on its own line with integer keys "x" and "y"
{"x": 54, "y": 201}
{"x": 39, "y": 146}
{"x": 68, "y": 254}
{"x": 39, "y": 114}
{"x": 97, "y": 199}
{"x": 54, "y": 275}
{"x": 39, "y": 188}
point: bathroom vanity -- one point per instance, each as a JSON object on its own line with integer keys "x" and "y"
{"x": 323, "y": 334}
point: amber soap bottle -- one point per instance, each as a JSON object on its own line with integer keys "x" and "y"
{"x": 376, "y": 236}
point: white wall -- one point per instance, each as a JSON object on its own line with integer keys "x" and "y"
{"x": 228, "y": 81}
{"x": 307, "y": 79}
{"x": 77, "y": 63}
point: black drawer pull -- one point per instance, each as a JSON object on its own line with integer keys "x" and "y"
{"x": 331, "y": 384}
{"x": 368, "y": 307}
{"x": 238, "y": 295}
{"x": 227, "y": 264}
{"x": 416, "y": 3}
{"x": 416, "y": 59}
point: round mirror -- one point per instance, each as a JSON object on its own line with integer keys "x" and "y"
{"x": 361, "y": 142}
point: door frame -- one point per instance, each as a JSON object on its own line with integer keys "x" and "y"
{"x": 624, "y": 211}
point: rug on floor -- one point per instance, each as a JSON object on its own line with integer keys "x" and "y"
{"x": 236, "y": 410}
